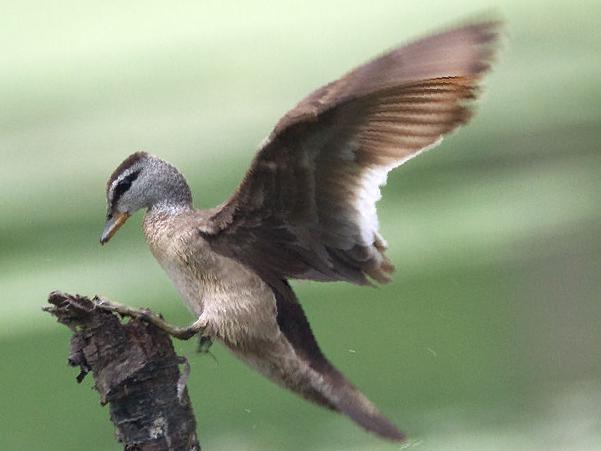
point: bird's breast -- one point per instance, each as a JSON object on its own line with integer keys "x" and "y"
{"x": 231, "y": 298}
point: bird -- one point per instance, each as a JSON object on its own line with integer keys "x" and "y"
{"x": 306, "y": 209}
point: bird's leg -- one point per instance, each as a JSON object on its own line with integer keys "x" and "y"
{"x": 183, "y": 333}
{"x": 204, "y": 344}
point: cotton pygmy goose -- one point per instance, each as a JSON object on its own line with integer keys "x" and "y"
{"x": 305, "y": 209}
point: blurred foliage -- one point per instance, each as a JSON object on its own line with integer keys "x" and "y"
{"x": 489, "y": 336}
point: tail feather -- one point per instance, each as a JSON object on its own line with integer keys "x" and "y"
{"x": 351, "y": 402}
{"x": 320, "y": 383}
{"x": 291, "y": 358}
{"x": 312, "y": 376}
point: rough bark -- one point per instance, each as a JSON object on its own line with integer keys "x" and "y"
{"x": 136, "y": 372}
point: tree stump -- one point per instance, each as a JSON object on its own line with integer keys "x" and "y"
{"x": 136, "y": 372}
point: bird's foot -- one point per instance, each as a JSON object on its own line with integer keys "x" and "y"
{"x": 183, "y": 333}
{"x": 204, "y": 344}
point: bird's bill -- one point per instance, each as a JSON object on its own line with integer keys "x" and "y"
{"x": 113, "y": 224}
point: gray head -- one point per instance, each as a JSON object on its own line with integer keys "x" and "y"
{"x": 142, "y": 181}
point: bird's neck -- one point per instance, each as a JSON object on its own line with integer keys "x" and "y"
{"x": 169, "y": 208}
{"x": 168, "y": 191}
{"x": 160, "y": 220}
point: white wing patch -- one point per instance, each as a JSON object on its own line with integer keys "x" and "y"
{"x": 369, "y": 193}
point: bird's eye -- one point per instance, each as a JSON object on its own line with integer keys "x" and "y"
{"x": 124, "y": 185}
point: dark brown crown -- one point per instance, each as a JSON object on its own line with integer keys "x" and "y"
{"x": 126, "y": 164}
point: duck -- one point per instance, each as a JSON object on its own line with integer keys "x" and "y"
{"x": 306, "y": 209}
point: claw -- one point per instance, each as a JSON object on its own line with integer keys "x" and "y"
{"x": 204, "y": 344}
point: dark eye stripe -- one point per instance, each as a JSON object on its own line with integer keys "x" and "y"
{"x": 124, "y": 185}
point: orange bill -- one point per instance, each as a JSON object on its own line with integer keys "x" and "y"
{"x": 113, "y": 223}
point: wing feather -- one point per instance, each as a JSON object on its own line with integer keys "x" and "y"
{"x": 306, "y": 208}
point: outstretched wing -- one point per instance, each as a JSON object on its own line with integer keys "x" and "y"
{"x": 306, "y": 207}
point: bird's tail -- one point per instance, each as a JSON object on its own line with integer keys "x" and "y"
{"x": 347, "y": 399}
{"x": 294, "y": 361}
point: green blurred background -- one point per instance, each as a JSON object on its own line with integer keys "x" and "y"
{"x": 489, "y": 337}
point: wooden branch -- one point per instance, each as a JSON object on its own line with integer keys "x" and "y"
{"x": 135, "y": 370}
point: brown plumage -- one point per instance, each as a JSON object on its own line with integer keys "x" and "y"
{"x": 305, "y": 209}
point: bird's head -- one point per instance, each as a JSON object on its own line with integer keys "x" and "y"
{"x": 142, "y": 181}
